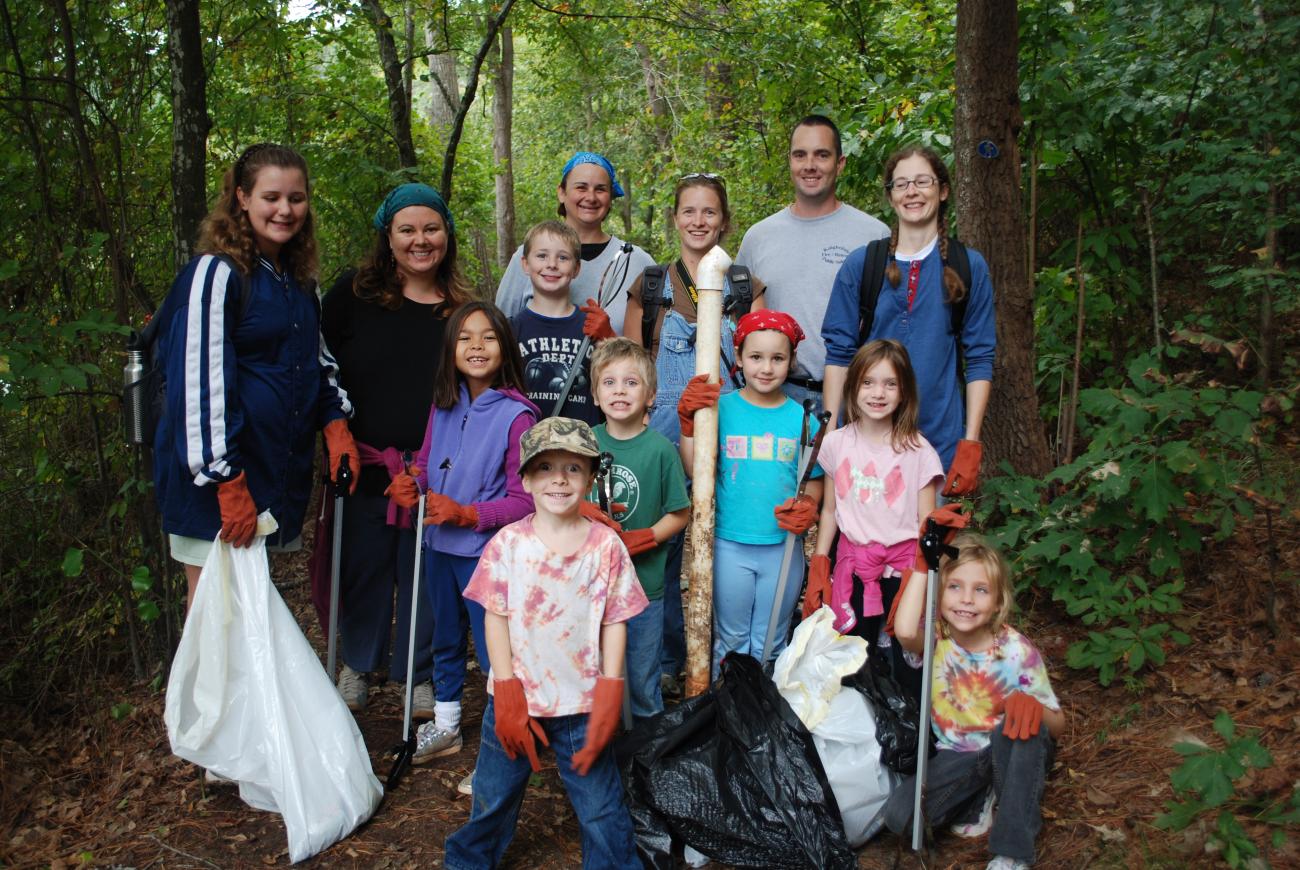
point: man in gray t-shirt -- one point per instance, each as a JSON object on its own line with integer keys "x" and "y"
{"x": 797, "y": 251}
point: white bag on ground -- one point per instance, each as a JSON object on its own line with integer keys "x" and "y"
{"x": 843, "y": 726}
{"x": 247, "y": 698}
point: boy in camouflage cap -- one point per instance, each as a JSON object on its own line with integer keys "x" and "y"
{"x": 558, "y": 589}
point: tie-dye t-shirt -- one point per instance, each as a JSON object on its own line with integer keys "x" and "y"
{"x": 877, "y": 488}
{"x": 969, "y": 686}
{"x": 555, "y": 606}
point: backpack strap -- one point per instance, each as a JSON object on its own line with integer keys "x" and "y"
{"x": 873, "y": 276}
{"x": 959, "y": 259}
{"x": 737, "y": 304}
{"x": 652, "y": 297}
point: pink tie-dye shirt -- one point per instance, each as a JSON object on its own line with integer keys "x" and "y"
{"x": 877, "y": 488}
{"x": 555, "y": 606}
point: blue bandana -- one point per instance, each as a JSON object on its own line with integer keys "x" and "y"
{"x": 592, "y": 157}
{"x": 409, "y": 194}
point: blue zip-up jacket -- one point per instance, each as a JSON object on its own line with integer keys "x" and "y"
{"x": 926, "y": 332}
{"x": 248, "y": 386}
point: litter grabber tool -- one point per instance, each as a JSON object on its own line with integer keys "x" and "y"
{"x": 341, "y": 487}
{"x": 612, "y": 278}
{"x": 933, "y": 548}
{"x": 405, "y": 750}
{"x": 603, "y": 492}
{"x": 807, "y": 462}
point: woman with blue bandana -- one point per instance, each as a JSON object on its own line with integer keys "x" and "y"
{"x": 384, "y": 324}
{"x": 588, "y": 188}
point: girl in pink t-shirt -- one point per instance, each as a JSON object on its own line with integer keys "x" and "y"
{"x": 885, "y": 478}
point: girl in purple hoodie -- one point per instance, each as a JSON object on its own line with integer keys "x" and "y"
{"x": 468, "y": 467}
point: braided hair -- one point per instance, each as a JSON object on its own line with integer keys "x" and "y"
{"x": 954, "y": 288}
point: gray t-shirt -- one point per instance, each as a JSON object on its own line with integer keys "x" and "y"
{"x": 515, "y": 289}
{"x": 798, "y": 259}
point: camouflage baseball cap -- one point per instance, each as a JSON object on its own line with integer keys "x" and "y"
{"x": 557, "y": 433}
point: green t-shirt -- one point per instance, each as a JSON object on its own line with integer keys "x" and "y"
{"x": 647, "y": 477}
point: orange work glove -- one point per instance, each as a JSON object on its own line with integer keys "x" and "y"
{"x": 514, "y": 727}
{"x": 590, "y": 510}
{"x": 699, "y": 393}
{"x": 819, "y": 585}
{"x": 964, "y": 473}
{"x": 638, "y": 541}
{"x": 597, "y": 326}
{"x": 403, "y": 491}
{"x": 338, "y": 443}
{"x": 796, "y": 515}
{"x": 606, "y": 710}
{"x": 238, "y": 513}
{"x": 440, "y": 509}
{"x": 1024, "y": 714}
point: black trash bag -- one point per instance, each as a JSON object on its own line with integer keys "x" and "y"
{"x": 735, "y": 774}
{"x": 896, "y": 713}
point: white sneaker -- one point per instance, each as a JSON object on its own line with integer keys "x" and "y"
{"x": 980, "y": 826}
{"x": 354, "y": 688}
{"x": 466, "y": 785}
{"x": 1002, "y": 862}
{"x": 434, "y": 742}
{"x": 422, "y": 701}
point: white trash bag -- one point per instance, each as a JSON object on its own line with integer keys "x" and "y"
{"x": 247, "y": 699}
{"x": 843, "y": 726}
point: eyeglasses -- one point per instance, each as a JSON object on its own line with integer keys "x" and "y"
{"x": 707, "y": 176}
{"x": 922, "y": 182}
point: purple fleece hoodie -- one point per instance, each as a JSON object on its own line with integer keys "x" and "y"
{"x": 471, "y": 454}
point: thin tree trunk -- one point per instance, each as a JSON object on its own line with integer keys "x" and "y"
{"x": 471, "y": 88}
{"x": 190, "y": 125}
{"x": 399, "y": 111}
{"x": 1267, "y": 326}
{"x": 408, "y": 68}
{"x": 502, "y": 120}
{"x": 992, "y": 221}
{"x": 1032, "y": 252}
{"x": 1155, "y": 291}
{"x": 658, "y": 106}
{"x": 1078, "y": 347}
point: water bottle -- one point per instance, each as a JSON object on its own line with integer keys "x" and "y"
{"x": 133, "y": 398}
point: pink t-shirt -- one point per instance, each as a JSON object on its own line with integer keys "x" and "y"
{"x": 555, "y": 606}
{"x": 877, "y": 488}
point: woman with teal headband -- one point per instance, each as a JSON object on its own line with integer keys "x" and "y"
{"x": 587, "y": 190}
{"x": 384, "y": 323}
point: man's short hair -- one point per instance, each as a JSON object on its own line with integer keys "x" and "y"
{"x": 815, "y": 120}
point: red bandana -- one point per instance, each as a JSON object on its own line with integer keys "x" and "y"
{"x": 766, "y": 319}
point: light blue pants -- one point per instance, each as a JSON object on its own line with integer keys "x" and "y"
{"x": 744, "y": 587}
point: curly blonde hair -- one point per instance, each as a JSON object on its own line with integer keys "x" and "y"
{"x": 226, "y": 229}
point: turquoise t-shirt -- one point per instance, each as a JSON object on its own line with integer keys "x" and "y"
{"x": 647, "y": 478}
{"x": 758, "y": 467}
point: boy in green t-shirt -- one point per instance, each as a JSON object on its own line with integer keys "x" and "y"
{"x": 649, "y": 487}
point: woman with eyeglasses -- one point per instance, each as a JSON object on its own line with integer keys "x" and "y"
{"x": 703, "y": 217}
{"x": 924, "y": 303}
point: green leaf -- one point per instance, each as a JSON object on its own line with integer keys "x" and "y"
{"x": 1156, "y": 493}
{"x": 73, "y": 562}
{"x": 141, "y": 581}
{"x": 148, "y": 611}
{"x": 1224, "y": 726}
{"x": 121, "y": 711}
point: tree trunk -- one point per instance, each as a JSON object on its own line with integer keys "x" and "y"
{"x": 658, "y": 106}
{"x": 502, "y": 119}
{"x": 444, "y": 102}
{"x": 190, "y": 124}
{"x": 992, "y": 221}
{"x": 399, "y": 109}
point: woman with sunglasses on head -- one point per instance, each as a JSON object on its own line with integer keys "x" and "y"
{"x": 703, "y": 217}
{"x": 923, "y": 298}
{"x": 587, "y": 190}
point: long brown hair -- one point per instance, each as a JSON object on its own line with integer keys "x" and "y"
{"x": 954, "y": 289}
{"x": 226, "y": 229}
{"x": 446, "y": 389}
{"x": 904, "y": 434}
{"x": 377, "y": 279}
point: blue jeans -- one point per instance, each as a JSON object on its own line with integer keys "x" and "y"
{"x": 445, "y": 579}
{"x": 675, "y": 365}
{"x": 645, "y": 645}
{"x": 744, "y": 586}
{"x": 957, "y": 782}
{"x": 499, "y": 784}
{"x": 674, "y": 657}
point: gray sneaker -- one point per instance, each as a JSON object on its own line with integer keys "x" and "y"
{"x": 422, "y": 701}
{"x": 466, "y": 786}
{"x": 434, "y": 742}
{"x": 354, "y": 688}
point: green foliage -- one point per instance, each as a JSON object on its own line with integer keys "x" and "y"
{"x": 1207, "y": 780}
{"x": 1112, "y": 535}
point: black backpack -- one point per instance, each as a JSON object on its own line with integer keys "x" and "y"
{"x": 652, "y": 297}
{"x": 873, "y": 278}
